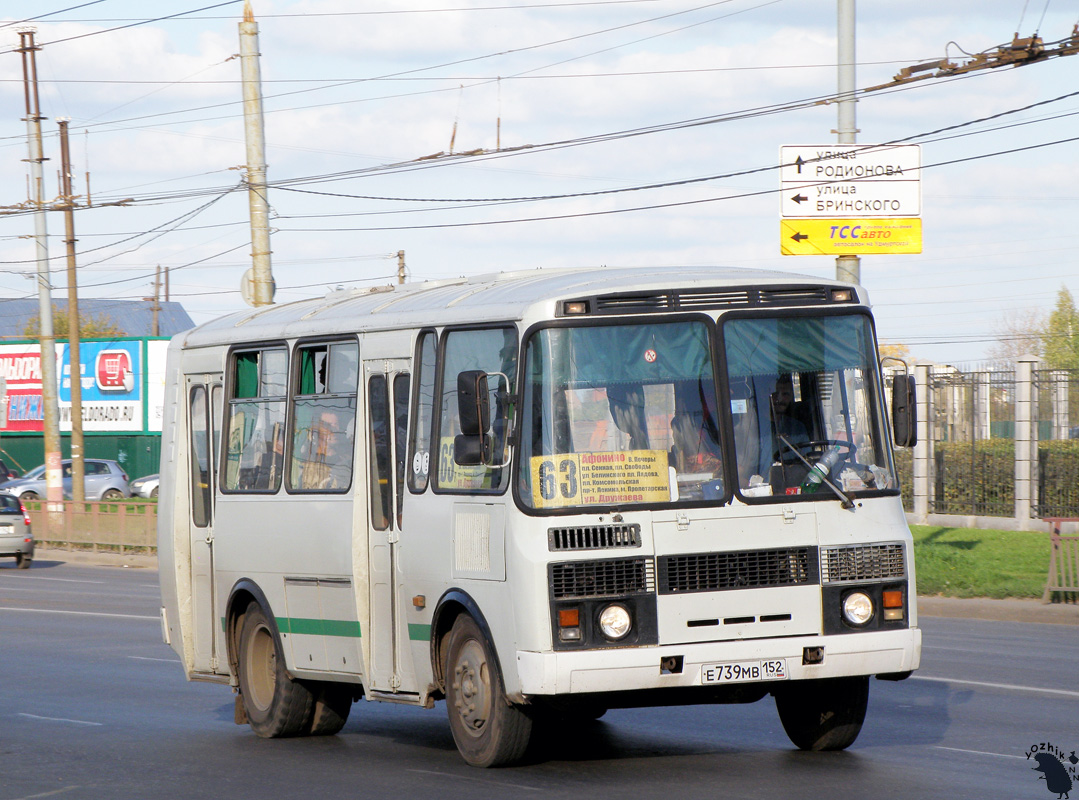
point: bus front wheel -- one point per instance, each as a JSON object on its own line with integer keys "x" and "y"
{"x": 824, "y": 714}
{"x": 276, "y": 705}
{"x": 487, "y": 729}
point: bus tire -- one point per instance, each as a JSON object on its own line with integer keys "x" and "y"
{"x": 487, "y": 729}
{"x": 823, "y": 714}
{"x": 333, "y": 702}
{"x": 276, "y": 705}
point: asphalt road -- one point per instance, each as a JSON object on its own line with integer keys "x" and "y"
{"x": 93, "y": 705}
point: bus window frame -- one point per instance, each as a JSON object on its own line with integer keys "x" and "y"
{"x": 436, "y": 425}
{"x": 873, "y": 368}
{"x": 226, "y": 422}
{"x": 290, "y": 409}
{"x": 414, "y": 408}
{"x": 711, "y": 325}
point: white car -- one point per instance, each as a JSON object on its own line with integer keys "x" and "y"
{"x": 145, "y": 487}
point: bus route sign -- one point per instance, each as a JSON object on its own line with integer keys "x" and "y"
{"x": 842, "y": 236}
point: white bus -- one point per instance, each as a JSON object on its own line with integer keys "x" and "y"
{"x": 536, "y": 496}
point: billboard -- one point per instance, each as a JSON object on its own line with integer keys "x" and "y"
{"x": 114, "y": 377}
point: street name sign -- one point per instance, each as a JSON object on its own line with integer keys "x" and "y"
{"x": 850, "y": 180}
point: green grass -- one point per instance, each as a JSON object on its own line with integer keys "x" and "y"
{"x": 965, "y": 562}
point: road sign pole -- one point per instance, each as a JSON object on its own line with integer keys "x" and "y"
{"x": 847, "y": 268}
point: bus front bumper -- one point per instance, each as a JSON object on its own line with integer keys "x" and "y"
{"x": 627, "y": 669}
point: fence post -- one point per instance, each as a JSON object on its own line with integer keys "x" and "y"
{"x": 1026, "y": 442}
{"x": 1059, "y": 381}
{"x": 923, "y": 450}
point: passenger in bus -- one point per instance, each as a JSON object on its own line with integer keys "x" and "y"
{"x": 626, "y": 403}
{"x": 327, "y": 463}
{"x": 694, "y": 433}
{"x": 783, "y": 422}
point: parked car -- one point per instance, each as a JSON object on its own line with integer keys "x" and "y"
{"x": 15, "y": 536}
{"x": 145, "y": 487}
{"x": 6, "y": 474}
{"x": 105, "y": 480}
{"x": 1073, "y": 433}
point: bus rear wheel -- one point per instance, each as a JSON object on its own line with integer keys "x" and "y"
{"x": 333, "y": 702}
{"x": 487, "y": 729}
{"x": 276, "y": 705}
{"x": 823, "y": 714}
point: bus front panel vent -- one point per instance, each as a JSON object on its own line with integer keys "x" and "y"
{"x": 604, "y": 578}
{"x": 746, "y": 569}
{"x": 594, "y": 537}
{"x": 866, "y": 562}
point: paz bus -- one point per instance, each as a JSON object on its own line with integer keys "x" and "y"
{"x": 537, "y": 496}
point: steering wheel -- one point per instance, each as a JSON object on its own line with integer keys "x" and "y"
{"x": 817, "y": 444}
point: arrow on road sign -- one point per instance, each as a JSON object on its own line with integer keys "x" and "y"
{"x": 799, "y": 236}
{"x": 798, "y": 163}
{"x": 799, "y": 198}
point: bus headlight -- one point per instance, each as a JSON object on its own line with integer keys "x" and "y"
{"x": 857, "y": 608}
{"x": 614, "y": 621}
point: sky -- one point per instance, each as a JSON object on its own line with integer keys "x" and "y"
{"x": 563, "y": 128}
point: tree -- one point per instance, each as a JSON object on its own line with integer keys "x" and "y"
{"x": 894, "y": 350}
{"x": 90, "y": 327}
{"x": 1061, "y": 335}
{"x": 1019, "y": 333}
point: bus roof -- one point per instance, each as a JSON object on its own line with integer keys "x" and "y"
{"x": 495, "y": 297}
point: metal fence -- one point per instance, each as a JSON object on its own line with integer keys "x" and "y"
{"x": 116, "y": 527}
{"x": 997, "y": 441}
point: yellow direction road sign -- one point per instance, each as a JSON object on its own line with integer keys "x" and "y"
{"x": 840, "y": 237}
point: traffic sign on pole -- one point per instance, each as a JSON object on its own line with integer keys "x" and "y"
{"x": 842, "y": 236}
{"x": 850, "y": 180}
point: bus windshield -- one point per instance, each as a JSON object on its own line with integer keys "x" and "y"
{"x": 620, "y": 415}
{"x": 805, "y": 389}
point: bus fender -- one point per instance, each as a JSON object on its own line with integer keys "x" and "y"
{"x": 452, "y": 603}
{"x": 243, "y": 592}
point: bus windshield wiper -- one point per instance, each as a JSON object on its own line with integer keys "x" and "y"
{"x": 825, "y": 479}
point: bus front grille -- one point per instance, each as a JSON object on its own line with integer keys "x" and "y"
{"x": 594, "y": 537}
{"x": 606, "y": 578}
{"x": 747, "y": 569}
{"x": 862, "y": 563}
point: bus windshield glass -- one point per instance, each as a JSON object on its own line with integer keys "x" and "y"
{"x": 620, "y": 415}
{"x": 804, "y": 391}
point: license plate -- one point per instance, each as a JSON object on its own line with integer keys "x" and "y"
{"x": 741, "y": 671}
{"x": 7, "y": 529}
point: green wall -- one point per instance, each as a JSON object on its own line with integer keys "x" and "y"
{"x": 138, "y": 453}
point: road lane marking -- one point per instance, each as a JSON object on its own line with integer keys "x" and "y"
{"x": 977, "y": 752}
{"x": 987, "y": 685}
{"x": 53, "y": 793}
{"x": 61, "y": 719}
{"x": 147, "y": 658}
{"x": 79, "y": 613}
{"x": 476, "y": 780}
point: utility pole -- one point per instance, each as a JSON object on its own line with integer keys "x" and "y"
{"x": 262, "y": 283}
{"x": 156, "y": 329}
{"x": 847, "y": 268}
{"x": 54, "y": 489}
{"x": 400, "y": 266}
{"x": 78, "y": 472}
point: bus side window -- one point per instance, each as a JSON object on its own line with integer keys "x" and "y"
{"x": 256, "y": 421}
{"x": 380, "y": 432}
{"x": 200, "y": 459}
{"x": 400, "y": 431}
{"x": 419, "y": 450}
{"x": 324, "y": 418}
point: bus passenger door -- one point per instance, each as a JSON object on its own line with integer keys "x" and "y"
{"x": 204, "y": 397}
{"x": 387, "y": 388}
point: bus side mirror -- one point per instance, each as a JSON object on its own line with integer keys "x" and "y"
{"x": 904, "y": 411}
{"x": 473, "y": 446}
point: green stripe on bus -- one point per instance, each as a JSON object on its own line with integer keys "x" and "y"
{"x": 419, "y": 632}
{"x": 319, "y": 627}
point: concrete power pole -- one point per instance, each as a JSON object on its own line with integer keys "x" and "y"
{"x": 261, "y": 275}
{"x": 78, "y": 472}
{"x": 847, "y": 268}
{"x": 54, "y": 488}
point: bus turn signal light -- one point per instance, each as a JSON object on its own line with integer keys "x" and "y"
{"x": 892, "y": 600}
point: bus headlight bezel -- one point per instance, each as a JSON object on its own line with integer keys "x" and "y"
{"x": 615, "y": 622}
